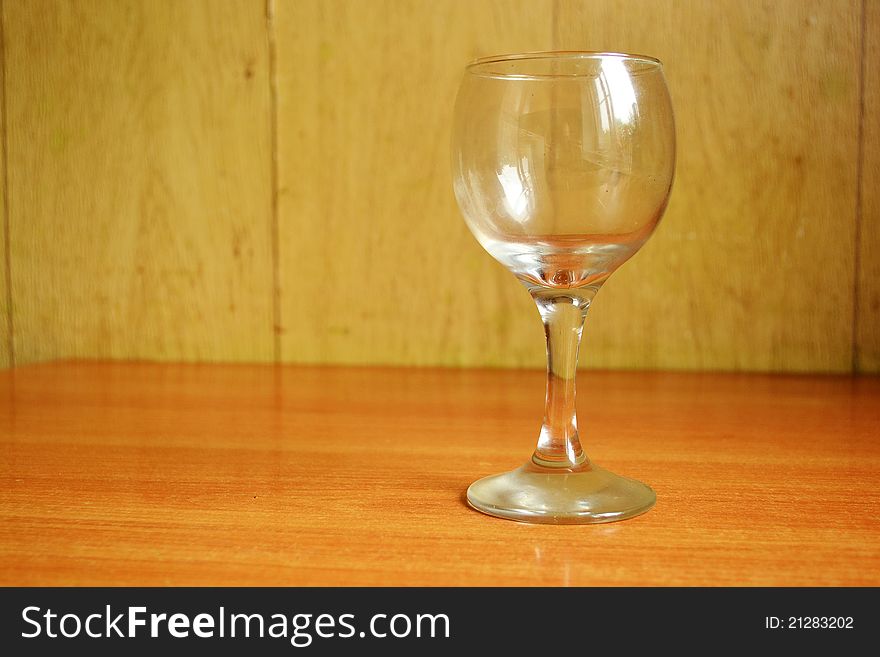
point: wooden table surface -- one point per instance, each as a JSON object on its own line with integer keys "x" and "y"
{"x": 148, "y": 474}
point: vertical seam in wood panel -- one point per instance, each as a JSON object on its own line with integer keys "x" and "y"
{"x": 554, "y": 25}
{"x": 273, "y": 130}
{"x": 860, "y": 157}
{"x": 7, "y": 250}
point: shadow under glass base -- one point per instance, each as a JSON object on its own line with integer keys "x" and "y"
{"x": 540, "y": 495}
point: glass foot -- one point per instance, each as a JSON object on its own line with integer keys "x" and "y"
{"x": 541, "y": 495}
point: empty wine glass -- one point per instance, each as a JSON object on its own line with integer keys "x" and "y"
{"x": 562, "y": 164}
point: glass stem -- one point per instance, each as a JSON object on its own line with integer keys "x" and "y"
{"x": 563, "y": 313}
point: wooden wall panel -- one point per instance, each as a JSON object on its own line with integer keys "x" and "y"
{"x": 6, "y": 356}
{"x": 5, "y": 343}
{"x": 140, "y": 184}
{"x": 868, "y": 317}
{"x": 376, "y": 263}
{"x": 752, "y": 267}
{"x": 139, "y": 179}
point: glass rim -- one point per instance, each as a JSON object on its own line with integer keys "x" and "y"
{"x": 651, "y": 63}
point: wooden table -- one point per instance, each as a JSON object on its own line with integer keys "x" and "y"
{"x": 147, "y": 474}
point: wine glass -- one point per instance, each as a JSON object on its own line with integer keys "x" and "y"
{"x": 562, "y": 165}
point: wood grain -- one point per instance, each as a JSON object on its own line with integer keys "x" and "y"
{"x": 147, "y": 474}
{"x": 140, "y": 184}
{"x": 764, "y": 191}
{"x": 139, "y": 179}
{"x": 6, "y": 356}
{"x": 751, "y": 268}
{"x": 377, "y": 265}
{"x": 867, "y": 333}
